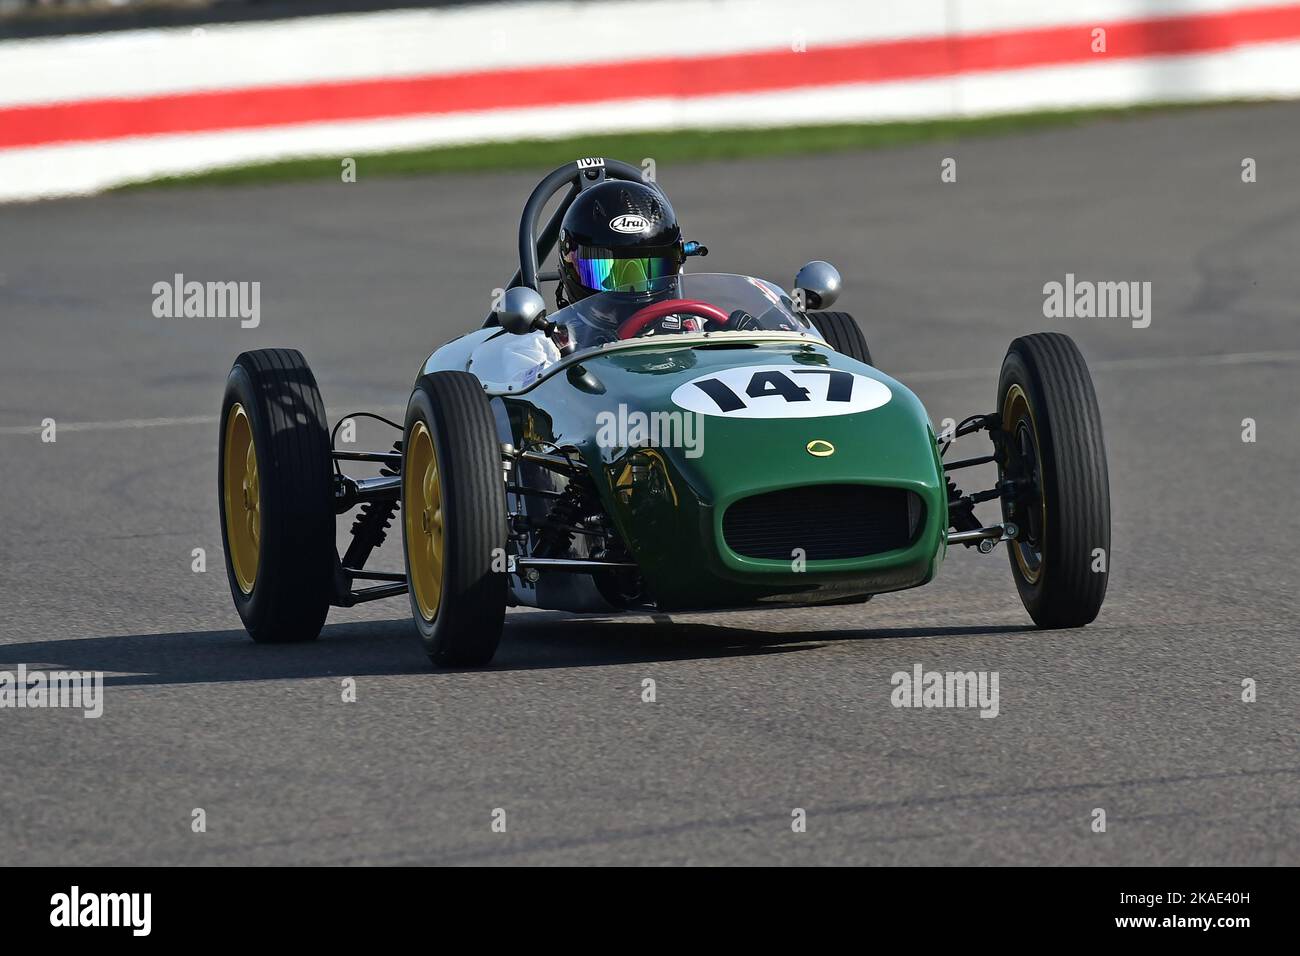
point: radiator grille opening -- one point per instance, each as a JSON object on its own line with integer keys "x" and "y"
{"x": 828, "y": 522}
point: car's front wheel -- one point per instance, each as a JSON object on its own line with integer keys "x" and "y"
{"x": 454, "y": 519}
{"x": 276, "y": 496}
{"x": 1052, "y": 454}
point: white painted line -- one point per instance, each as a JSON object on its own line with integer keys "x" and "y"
{"x": 136, "y": 423}
{"x": 1199, "y": 361}
{"x": 1115, "y": 365}
{"x": 938, "y": 375}
{"x": 109, "y": 426}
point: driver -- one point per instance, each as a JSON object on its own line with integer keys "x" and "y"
{"x": 623, "y": 237}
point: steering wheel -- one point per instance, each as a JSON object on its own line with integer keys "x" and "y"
{"x": 638, "y": 320}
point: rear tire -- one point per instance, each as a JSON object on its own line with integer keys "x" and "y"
{"x": 843, "y": 334}
{"x": 454, "y": 519}
{"x": 1052, "y": 444}
{"x": 275, "y": 495}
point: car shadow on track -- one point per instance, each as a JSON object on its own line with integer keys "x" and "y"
{"x": 535, "y": 641}
{"x": 550, "y": 639}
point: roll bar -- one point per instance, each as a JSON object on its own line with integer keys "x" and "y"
{"x": 534, "y": 247}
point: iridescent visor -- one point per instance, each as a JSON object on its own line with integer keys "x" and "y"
{"x": 624, "y": 275}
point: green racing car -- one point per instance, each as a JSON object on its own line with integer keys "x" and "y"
{"x": 660, "y": 440}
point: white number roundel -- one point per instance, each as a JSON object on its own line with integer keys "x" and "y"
{"x": 780, "y": 391}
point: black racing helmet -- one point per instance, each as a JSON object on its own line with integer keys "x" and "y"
{"x": 619, "y": 237}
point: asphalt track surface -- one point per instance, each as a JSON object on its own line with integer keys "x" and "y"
{"x": 756, "y": 713}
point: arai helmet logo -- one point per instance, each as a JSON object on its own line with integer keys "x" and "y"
{"x": 629, "y": 223}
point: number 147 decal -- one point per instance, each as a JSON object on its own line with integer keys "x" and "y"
{"x": 781, "y": 391}
{"x": 839, "y": 387}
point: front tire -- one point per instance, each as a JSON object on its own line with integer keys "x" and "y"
{"x": 454, "y": 519}
{"x": 1051, "y": 446}
{"x": 842, "y": 333}
{"x": 275, "y": 496}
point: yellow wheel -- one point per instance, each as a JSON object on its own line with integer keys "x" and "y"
{"x": 454, "y": 519}
{"x": 276, "y": 496}
{"x": 423, "y": 490}
{"x": 1025, "y": 465}
{"x": 243, "y": 498}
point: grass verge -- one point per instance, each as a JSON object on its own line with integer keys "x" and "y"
{"x": 675, "y": 146}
